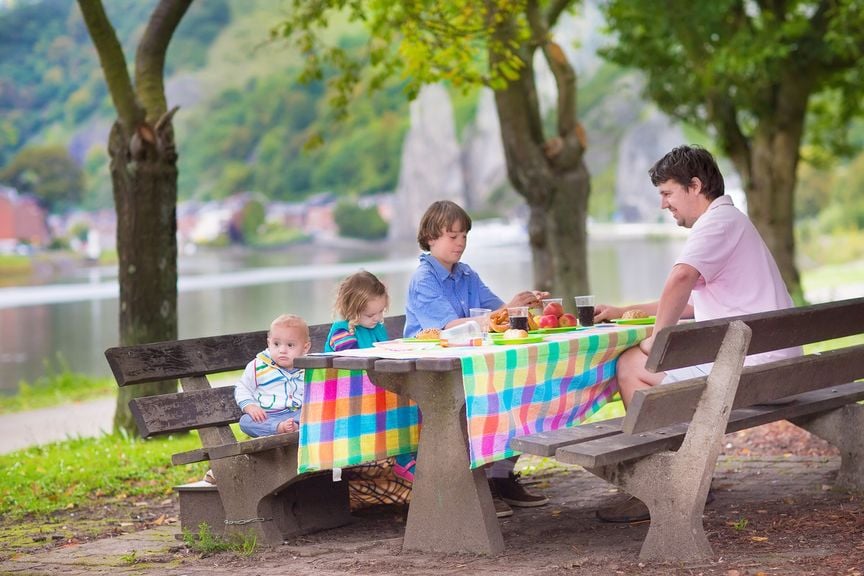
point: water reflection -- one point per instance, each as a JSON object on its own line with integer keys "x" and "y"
{"x": 299, "y": 280}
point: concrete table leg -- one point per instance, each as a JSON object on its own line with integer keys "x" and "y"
{"x": 451, "y": 506}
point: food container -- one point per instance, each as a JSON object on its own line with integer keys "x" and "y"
{"x": 466, "y": 334}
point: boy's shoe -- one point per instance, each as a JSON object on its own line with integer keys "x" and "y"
{"x": 502, "y": 509}
{"x": 209, "y": 477}
{"x": 512, "y": 492}
{"x": 632, "y": 510}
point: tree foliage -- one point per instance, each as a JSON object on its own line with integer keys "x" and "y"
{"x": 765, "y": 77}
{"x": 355, "y": 221}
{"x": 468, "y": 44}
{"x": 421, "y": 41}
{"x": 48, "y": 173}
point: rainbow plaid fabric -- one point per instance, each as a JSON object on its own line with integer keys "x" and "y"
{"x": 509, "y": 391}
{"x": 347, "y": 420}
{"x": 531, "y": 389}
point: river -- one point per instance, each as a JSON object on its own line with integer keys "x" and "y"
{"x": 69, "y": 322}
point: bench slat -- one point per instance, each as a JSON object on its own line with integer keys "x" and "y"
{"x": 547, "y": 443}
{"x": 190, "y": 457}
{"x": 254, "y": 445}
{"x": 669, "y": 404}
{"x": 210, "y": 355}
{"x": 679, "y": 346}
{"x": 185, "y": 411}
{"x": 621, "y": 447}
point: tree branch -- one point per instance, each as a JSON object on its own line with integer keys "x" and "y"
{"x": 736, "y": 145}
{"x": 113, "y": 62}
{"x": 565, "y": 82}
{"x": 150, "y": 58}
{"x": 555, "y": 10}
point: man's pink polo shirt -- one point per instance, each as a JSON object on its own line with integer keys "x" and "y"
{"x": 738, "y": 272}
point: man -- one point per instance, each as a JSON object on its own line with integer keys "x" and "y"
{"x": 725, "y": 269}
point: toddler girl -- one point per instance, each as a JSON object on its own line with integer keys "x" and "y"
{"x": 361, "y": 301}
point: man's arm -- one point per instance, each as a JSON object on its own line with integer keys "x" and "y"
{"x": 673, "y": 301}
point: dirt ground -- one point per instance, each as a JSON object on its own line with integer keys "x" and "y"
{"x": 774, "y": 513}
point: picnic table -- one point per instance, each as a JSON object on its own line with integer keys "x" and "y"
{"x": 362, "y": 405}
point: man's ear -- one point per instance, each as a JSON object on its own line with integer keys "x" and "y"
{"x": 695, "y": 185}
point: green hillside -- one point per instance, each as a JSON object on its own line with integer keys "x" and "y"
{"x": 244, "y": 122}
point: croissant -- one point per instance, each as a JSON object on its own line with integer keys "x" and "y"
{"x": 499, "y": 321}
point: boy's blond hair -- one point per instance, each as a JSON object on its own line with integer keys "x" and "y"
{"x": 290, "y": 321}
{"x": 355, "y": 292}
{"x": 441, "y": 215}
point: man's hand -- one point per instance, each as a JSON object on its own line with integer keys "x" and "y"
{"x": 605, "y": 312}
{"x": 255, "y": 412}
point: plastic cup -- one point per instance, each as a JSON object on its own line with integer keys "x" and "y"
{"x": 585, "y": 309}
{"x": 518, "y": 317}
{"x": 481, "y": 316}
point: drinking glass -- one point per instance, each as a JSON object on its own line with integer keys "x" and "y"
{"x": 585, "y": 309}
{"x": 518, "y": 317}
{"x": 481, "y": 316}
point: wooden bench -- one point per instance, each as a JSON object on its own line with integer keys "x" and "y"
{"x": 665, "y": 449}
{"x": 258, "y": 490}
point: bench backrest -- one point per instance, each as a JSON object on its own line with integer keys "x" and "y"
{"x": 698, "y": 343}
{"x": 192, "y": 361}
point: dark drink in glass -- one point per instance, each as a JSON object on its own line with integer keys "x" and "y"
{"x": 518, "y": 317}
{"x": 585, "y": 315}
{"x": 585, "y": 310}
{"x": 519, "y": 322}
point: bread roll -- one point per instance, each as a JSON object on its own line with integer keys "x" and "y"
{"x": 429, "y": 334}
{"x": 631, "y": 314}
{"x": 515, "y": 333}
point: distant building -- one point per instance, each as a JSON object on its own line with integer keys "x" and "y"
{"x": 22, "y": 220}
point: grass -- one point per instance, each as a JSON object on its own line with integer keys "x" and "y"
{"x": 205, "y": 543}
{"x": 39, "y": 480}
{"x": 58, "y": 386}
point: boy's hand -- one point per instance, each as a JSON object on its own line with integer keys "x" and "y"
{"x": 287, "y": 426}
{"x": 255, "y": 412}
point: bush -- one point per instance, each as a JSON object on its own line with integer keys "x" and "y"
{"x": 357, "y": 222}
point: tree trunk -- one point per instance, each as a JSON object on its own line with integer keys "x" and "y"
{"x": 144, "y": 177}
{"x": 771, "y": 204}
{"x": 552, "y": 177}
{"x": 768, "y": 163}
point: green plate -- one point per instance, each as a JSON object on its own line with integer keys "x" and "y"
{"x": 528, "y": 340}
{"x": 558, "y": 329}
{"x": 635, "y": 321}
{"x": 433, "y": 340}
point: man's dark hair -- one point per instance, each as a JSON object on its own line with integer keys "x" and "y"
{"x": 683, "y": 164}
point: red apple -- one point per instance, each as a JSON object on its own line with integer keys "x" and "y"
{"x": 548, "y": 321}
{"x": 553, "y": 309}
{"x": 567, "y": 320}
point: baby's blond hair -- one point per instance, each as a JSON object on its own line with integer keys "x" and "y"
{"x": 290, "y": 321}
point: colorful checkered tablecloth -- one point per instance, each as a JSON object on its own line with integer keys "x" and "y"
{"x": 509, "y": 391}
